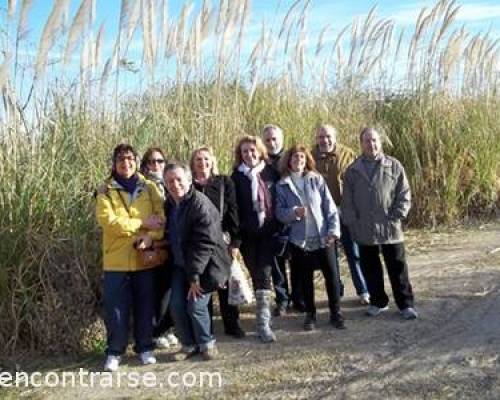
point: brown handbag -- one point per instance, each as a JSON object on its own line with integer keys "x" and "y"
{"x": 154, "y": 256}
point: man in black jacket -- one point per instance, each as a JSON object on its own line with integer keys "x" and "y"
{"x": 200, "y": 261}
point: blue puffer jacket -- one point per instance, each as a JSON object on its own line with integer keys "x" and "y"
{"x": 320, "y": 202}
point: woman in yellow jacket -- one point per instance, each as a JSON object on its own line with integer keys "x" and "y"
{"x": 130, "y": 212}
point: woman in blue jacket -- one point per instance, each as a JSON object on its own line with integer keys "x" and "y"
{"x": 305, "y": 205}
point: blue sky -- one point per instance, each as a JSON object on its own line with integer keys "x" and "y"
{"x": 478, "y": 15}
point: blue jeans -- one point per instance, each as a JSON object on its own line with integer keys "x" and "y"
{"x": 191, "y": 317}
{"x": 351, "y": 251}
{"x": 123, "y": 292}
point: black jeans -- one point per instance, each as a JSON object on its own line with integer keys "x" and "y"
{"x": 397, "y": 269}
{"x": 280, "y": 281}
{"x": 162, "y": 277}
{"x": 259, "y": 258}
{"x": 306, "y": 262}
{"x": 230, "y": 314}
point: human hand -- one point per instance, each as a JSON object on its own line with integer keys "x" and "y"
{"x": 233, "y": 251}
{"x": 143, "y": 242}
{"x": 153, "y": 222}
{"x": 300, "y": 212}
{"x": 194, "y": 291}
{"x": 331, "y": 239}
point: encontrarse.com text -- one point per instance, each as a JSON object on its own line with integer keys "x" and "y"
{"x": 132, "y": 379}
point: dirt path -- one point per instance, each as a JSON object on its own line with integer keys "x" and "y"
{"x": 451, "y": 352}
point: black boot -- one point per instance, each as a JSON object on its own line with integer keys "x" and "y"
{"x": 310, "y": 322}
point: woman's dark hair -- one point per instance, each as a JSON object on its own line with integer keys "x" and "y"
{"x": 145, "y": 158}
{"x": 120, "y": 149}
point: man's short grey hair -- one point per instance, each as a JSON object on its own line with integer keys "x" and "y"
{"x": 175, "y": 165}
{"x": 268, "y": 127}
{"x": 366, "y": 130}
{"x": 327, "y": 128}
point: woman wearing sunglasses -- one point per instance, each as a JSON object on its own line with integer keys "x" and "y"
{"x": 152, "y": 166}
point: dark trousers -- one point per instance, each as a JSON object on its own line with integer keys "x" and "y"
{"x": 259, "y": 258}
{"x": 397, "y": 269}
{"x": 297, "y": 294}
{"x": 162, "y": 277}
{"x": 280, "y": 281}
{"x": 125, "y": 292}
{"x": 230, "y": 314}
{"x": 307, "y": 262}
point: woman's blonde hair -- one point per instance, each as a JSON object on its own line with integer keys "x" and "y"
{"x": 284, "y": 165}
{"x": 215, "y": 169}
{"x": 259, "y": 144}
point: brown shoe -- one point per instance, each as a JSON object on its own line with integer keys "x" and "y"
{"x": 210, "y": 354}
{"x": 183, "y": 354}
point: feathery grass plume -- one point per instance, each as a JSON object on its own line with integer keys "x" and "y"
{"x": 5, "y": 70}
{"x": 11, "y": 9}
{"x": 23, "y": 19}
{"x": 321, "y": 40}
{"x": 287, "y": 20}
{"x": 208, "y": 14}
{"x": 222, "y": 16}
{"x": 451, "y": 54}
{"x": 133, "y": 18}
{"x": 170, "y": 46}
{"x": 368, "y": 22}
{"x": 163, "y": 27}
{"x": 125, "y": 11}
{"x": 99, "y": 45}
{"x": 149, "y": 33}
{"x": 181, "y": 27}
{"x": 49, "y": 34}
{"x": 80, "y": 23}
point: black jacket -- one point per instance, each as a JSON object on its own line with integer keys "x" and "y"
{"x": 249, "y": 223}
{"x": 230, "y": 220}
{"x": 206, "y": 259}
{"x": 275, "y": 159}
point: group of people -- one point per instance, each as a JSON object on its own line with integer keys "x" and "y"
{"x": 317, "y": 200}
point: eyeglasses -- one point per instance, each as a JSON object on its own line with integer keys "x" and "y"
{"x": 156, "y": 161}
{"x": 125, "y": 158}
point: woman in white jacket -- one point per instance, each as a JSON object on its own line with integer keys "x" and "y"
{"x": 305, "y": 205}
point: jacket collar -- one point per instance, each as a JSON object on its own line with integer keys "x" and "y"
{"x": 114, "y": 185}
{"x": 318, "y": 155}
{"x": 287, "y": 181}
{"x": 358, "y": 166}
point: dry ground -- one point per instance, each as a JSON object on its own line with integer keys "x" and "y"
{"x": 451, "y": 352}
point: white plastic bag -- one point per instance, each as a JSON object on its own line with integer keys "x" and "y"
{"x": 239, "y": 289}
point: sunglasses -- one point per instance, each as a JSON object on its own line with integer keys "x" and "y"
{"x": 156, "y": 161}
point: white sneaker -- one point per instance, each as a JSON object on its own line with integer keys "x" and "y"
{"x": 409, "y": 313}
{"x": 162, "y": 342}
{"x": 364, "y": 299}
{"x": 147, "y": 358}
{"x": 373, "y": 311}
{"x": 112, "y": 363}
{"x": 172, "y": 339}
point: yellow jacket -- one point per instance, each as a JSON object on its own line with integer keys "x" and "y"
{"x": 121, "y": 226}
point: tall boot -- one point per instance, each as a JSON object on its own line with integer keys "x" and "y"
{"x": 263, "y": 316}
